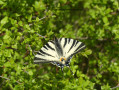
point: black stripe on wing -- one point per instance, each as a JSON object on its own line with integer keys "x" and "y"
{"x": 60, "y": 39}
{"x": 76, "y": 43}
{"x": 65, "y": 42}
{"x": 72, "y": 45}
{"x": 45, "y": 47}
{"x": 50, "y": 47}
{"x": 58, "y": 47}
{"x": 69, "y": 40}
{"x": 81, "y": 45}
{"x": 79, "y": 50}
{"x": 40, "y": 54}
{"x": 44, "y": 53}
{"x": 40, "y": 60}
{"x": 37, "y": 58}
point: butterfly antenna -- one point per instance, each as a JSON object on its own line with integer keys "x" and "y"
{"x": 71, "y": 70}
{"x": 62, "y": 69}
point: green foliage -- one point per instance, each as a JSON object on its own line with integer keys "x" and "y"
{"x": 94, "y": 22}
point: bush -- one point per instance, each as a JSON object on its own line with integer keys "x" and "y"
{"x": 25, "y": 23}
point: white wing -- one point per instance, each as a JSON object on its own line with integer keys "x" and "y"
{"x": 71, "y": 46}
{"x": 50, "y": 51}
{"x": 46, "y": 54}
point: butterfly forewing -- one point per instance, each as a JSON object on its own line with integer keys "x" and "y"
{"x": 46, "y": 54}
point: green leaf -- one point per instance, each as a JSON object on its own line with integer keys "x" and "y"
{"x": 4, "y": 20}
{"x": 86, "y": 53}
{"x": 105, "y": 20}
{"x": 20, "y": 23}
{"x": 7, "y": 64}
{"x": 1, "y": 2}
{"x": 30, "y": 72}
{"x": 39, "y": 5}
{"x": 6, "y": 37}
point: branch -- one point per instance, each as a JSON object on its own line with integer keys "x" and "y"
{"x": 115, "y": 87}
{"x": 39, "y": 19}
{"x": 104, "y": 39}
{"x": 41, "y": 35}
{"x": 5, "y": 78}
{"x": 9, "y": 79}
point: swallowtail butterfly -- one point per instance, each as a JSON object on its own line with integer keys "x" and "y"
{"x": 59, "y": 52}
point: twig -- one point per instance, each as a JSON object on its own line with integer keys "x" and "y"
{"x": 83, "y": 38}
{"x": 43, "y": 18}
{"x": 9, "y": 79}
{"x": 41, "y": 35}
{"x": 5, "y": 78}
{"x": 39, "y": 20}
{"x": 36, "y": 51}
{"x": 115, "y": 87}
{"x": 89, "y": 38}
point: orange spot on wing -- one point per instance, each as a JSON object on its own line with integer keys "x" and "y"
{"x": 62, "y": 58}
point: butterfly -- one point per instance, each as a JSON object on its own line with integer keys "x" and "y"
{"x": 59, "y": 52}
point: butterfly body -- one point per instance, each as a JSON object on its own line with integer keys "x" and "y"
{"x": 59, "y": 51}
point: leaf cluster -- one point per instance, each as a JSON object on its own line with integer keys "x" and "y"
{"x": 26, "y": 25}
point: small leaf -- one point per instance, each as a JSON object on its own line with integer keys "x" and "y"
{"x": 7, "y": 64}
{"x": 6, "y": 37}
{"x": 4, "y": 20}
{"x": 1, "y": 2}
{"x": 30, "y": 72}
{"x": 105, "y": 20}
{"x": 88, "y": 52}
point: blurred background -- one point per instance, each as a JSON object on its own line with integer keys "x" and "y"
{"x": 27, "y": 25}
